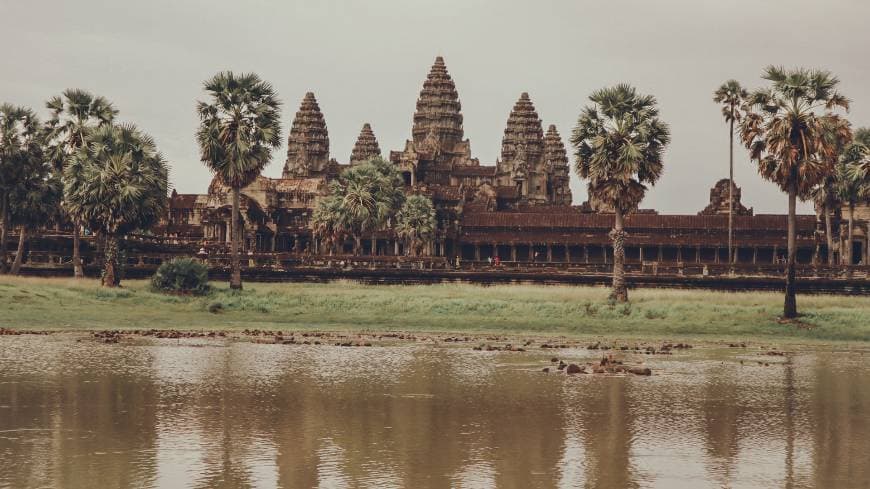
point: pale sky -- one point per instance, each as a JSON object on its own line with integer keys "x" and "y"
{"x": 366, "y": 62}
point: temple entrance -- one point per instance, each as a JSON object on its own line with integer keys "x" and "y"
{"x": 857, "y": 252}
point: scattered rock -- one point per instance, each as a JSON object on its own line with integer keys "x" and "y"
{"x": 573, "y": 369}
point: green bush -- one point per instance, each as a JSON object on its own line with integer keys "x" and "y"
{"x": 181, "y": 276}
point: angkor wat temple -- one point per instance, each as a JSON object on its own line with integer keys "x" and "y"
{"x": 519, "y": 209}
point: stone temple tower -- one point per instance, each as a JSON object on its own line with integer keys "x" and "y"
{"x": 522, "y": 162}
{"x": 558, "y": 170}
{"x": 438, "y": 117}
{"x": 366, "y": 146}
{"x": 308, "y": 143}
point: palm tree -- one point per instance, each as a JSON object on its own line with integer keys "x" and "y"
{"x": 826, "y": 194}
{"x": 826, "y": 198}
{"x": 326, "y": 221}
{"x": 786, "y": 128}
{"x": 619, "y": 141}
{"x": 731, "y": 96}
{"x": 239, "y": 127}
{"x": 74, "y": 115}
{"x": 853, "y": 184}
{"x": 367, "y": 196}
{"x": 116, "y": 183}
{"x": 35, "y": 204}
{"x": 416, "y": 221}
{"x": 20, "y": 152}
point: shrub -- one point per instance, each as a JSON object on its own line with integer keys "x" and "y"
{"x": 215, "y": 307}
{"x": 181, "y": 276}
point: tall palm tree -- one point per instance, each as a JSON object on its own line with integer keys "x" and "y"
{"x": 619, "y": 141}
{"x": 74, "y": 115}
{"x": 20, "y": 153}
{"x": 239, "y": 127}
{"x": 826, "y": 198}
{"x": 853, "y": 180}
{"x": 415, "y": 221}
{"x": 116, "y": 183}
{"x": 786, "y": 128}
{"x": 731, "y": 97}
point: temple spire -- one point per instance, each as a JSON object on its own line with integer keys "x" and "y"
{"x": 438, "y": 109}
{"x": 366, "y": 146}
{"x": 523, "y": 127}
{"x": 308, "y": 143}
{"x": 558, "y": 167}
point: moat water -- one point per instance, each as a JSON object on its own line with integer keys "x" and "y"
{"x": 216, "y": 413}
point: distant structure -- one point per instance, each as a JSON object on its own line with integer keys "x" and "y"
{"x": 519, "y": 208}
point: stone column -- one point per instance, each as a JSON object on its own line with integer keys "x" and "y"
{"x": 586, "y": 254}
{"x": 754, "y": 255}
{"x": 567, "y": 253}
{"x": 549, "y": 253}
{"x": 477, "y": 252}
{"x": 698, "y": 254}
{"x": 716, "y": 258}
{"x": 679, "y": 254}
{"x": 640, "y": 253}
{"x": 374, "y": 246}
{"x": 513, "y": 252}
{"x": 775, "y": 251}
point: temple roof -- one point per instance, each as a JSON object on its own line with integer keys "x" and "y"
{"x": 554, "y": 149}
{"x": 570, "y": 218}
{"x": 308, "y": 143}
{"x": 438, "y": 116}
{"x": 523, "y": 127}
{"x": 474, "y": 171}
{"x": 366, "y": 146}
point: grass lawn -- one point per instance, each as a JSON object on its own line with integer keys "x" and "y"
{"x": 40, "y": 303}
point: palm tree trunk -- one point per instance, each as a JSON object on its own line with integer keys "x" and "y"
{"x": 850, "y": 246}
{"x": 357, "y": 245}
{"x": 828, "y": 234}
{"x": 235, "y": 231}
{"x": 110, "y": 270}
{"x": 19, "y": 253}
{"x": 620, "y": 292}
{"x": 78, "y": 270}
{"x": 790, "y": 306}
{"x": 731, "y": 191}
{"x": 4, "y": 230}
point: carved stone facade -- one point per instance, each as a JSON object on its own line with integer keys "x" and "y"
{"x": 719, "y": 201}
{"x": 518, "y": 209}
{"x": 308, "y": 143}
{"x": 366, "y": 146}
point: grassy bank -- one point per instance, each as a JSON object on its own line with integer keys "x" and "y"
{"x": 36, "y": 303}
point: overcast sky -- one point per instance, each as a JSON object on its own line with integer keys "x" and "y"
{"x": 366, "y": 61}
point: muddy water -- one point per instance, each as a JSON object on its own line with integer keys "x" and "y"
{"x": 208, "y": 413}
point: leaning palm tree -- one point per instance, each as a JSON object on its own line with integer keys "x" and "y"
{"x": 619, "y": 141}
{"x": 74, "y": 115}
{"x": 239, "y": 127}
{"x": 786, "y": 128}
{"x": 826, "y": 194}
{"x": 116, "y": 183}
{"x": 731, "y": 97}
{"x": 415, "y": 221}
{"x": 853, "y": 180}
{"x": 826, "y": 199}
{"x": 326, "y": 221}
{"x": 20, "y": 153}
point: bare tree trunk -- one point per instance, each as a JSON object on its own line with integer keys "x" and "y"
{"x": 731, "y": 192}
{"x": 828, "y": 234}
{"x": 78, "y": 270}
{"x": 19, "y": 253}
{"x": 790, "y": 306}
{"x": 4, "y": 231}
{"x": 110, "y": 270}
{"x": 620, "y": 292}
{"x": 235, "y": 231}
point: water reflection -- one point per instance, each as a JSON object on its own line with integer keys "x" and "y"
{"x": 215, "y": 414}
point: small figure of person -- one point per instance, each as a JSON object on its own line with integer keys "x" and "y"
{"x": 497, "y": 261}
{"x": 489, "y": 260}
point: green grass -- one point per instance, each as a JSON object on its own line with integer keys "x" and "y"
{"x": 34, "y": 303}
